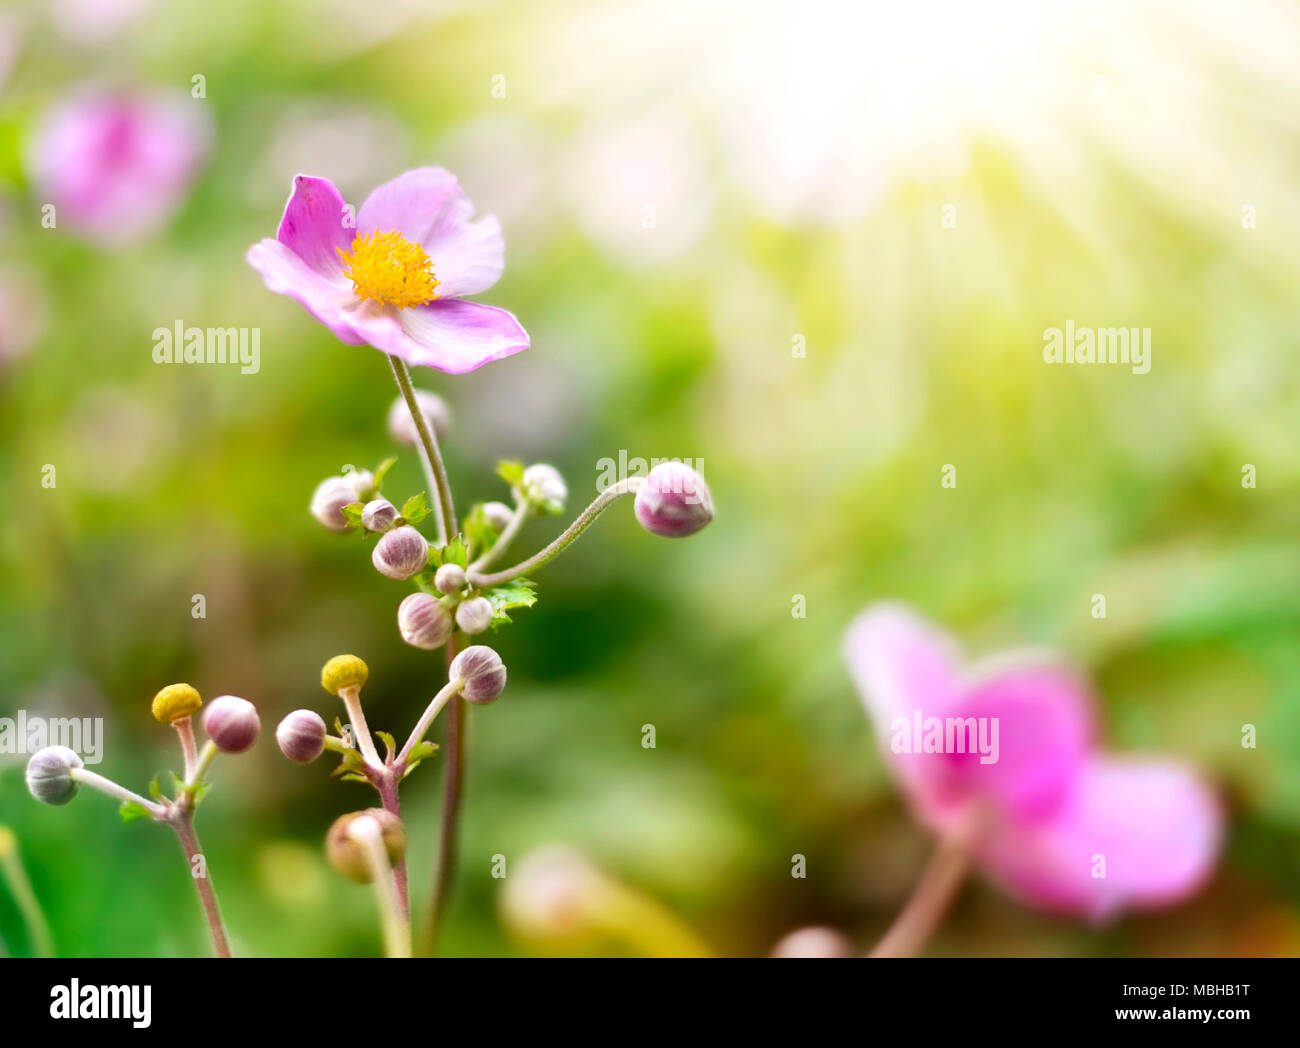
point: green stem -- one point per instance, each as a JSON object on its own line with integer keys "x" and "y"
{"x": 429, "y": 445}
{"x": 15, "y": 875}
{"x": 563, "y": 542}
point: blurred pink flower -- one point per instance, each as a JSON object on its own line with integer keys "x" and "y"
{"x": 117, "y": 166}
{"x": 393, "y": 277}
{"x": 1052, "y": 808}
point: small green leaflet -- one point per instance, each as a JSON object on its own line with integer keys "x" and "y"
{"x": 352, "y": 514}
{"x": 130, "y": 811}
{"x": 512, "y": 472}
{"x": 519, "y": 593}
{"x": 452, "y": 553}
{"x": 415, "y": 509}
{"x": 381, "y": 470}
{"x": 478, "y": 532}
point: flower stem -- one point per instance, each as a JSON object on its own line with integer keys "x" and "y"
{"x": 388, "y": 795}
{"x": 206, "y": 756}
{"x": 505, "y": 538}
{"x": 20, "y": 886}
{"x": 397, "y": 929}
{"x": 185, "y": 729}
{"x": 570, "y": 535}
{"x": 184, "y": 827}
{"x": 431, "y": 711}
{"x": 89, "y": 778}
{"x": 929, "y": 902}
{"x": 351, "y": 697}
{"x": 453, "y": 783}
{"x": 429, "y": 445}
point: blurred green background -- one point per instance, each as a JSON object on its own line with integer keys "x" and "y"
{"x": 688, "y": 192}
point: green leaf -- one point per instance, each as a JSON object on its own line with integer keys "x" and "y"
{"x": 519, "y": 593}
{"x": 454, "y": 552}
{"x": 416, "y": 508}
{"x": 200, "y": 791}
{"x": 512, "y": 472}
{"x": 422, "y": 751}
{"x": 479, "y": 534}
{"x": 352, "y": 514}
{"x": 381, "y": 470}
{"x": 130, "y": 811}
{"x": 388, "y": 741}
{"x": 353, "y": 776}
{"x": 155, "y": 788}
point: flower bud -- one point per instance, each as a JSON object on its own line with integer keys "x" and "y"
{"x": 449, "y": 579}
{"x": 545, "y": 488}
{"x": 814, "y": 942}
{"x": 175, "y": 702}
{"x": 474, "y": 615}
{"x": 432, "y": 407}
{"x": 49, "y": 774}
{"x": 423, "y": 622}
{"x": 401, "y": 553}
{"x": 343, "y": 671}
{"x": 673, "y": 501}
{"x": 231, "y": 723}
{"x": 333, "y": 493}
{"x": 482, "y": 671}
{"x": 379, "y": 515}
{"x": 348, "y": 856}
{"x": 498, "y": 515}
{"x": 301, "y": 736}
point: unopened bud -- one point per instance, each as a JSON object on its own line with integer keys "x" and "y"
{"x": 301, "y": 736}
{"x": 483, "y": 673}
{"x": 474, "y": 615}
{"x": 343, "y": 671}
{"x": 333, "y": 493}
{"x": 450, "y": 578}
{"x": 423, "y": 622}
{"x": 175, "y": 702}
{"x": 545, "y": 488}
{"x": 498, "y": 515}
{"x": 434, "y": 409}
{"x": 673, "y": 501}
{"x": 49, "y": 774}
{"x": 348, "y": 856}
{"x": 379, "y": 515}
{"x": 401, "y": 553}
{"x": 231, "y": 723}
{"x": 814, "y": 942}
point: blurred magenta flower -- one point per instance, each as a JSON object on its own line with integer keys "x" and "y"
{"x": 1057, "y": 822}
{"x": 117, "y": 166}
{"x": 393, "y": 277}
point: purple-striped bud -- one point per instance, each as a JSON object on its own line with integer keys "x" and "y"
{"x": 231, "y": 723}
{"x": 333, "y": 493}
{"x": 423, "y": 622}
{"x": 401, "y": 553}
{"x": 483, "y": 673}
{"x": 301, "y": 736}
{"x": 673, "y": 501}
{"x": 49, "y": 774}
{"x": 434, "y": 409}
{"x": 379, "y": 515}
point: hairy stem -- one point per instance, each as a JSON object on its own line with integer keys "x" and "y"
{"x": 440, "y": 700}
{"x": 506, "y": 537}
{"x": 570, "y": 535}
{"x": 929, "y": 902}
{"x": 429, "y": 446}
{"x": 388, "y": 795}
{"x": 184, "y": 827}
{"x": 449, "y": 836}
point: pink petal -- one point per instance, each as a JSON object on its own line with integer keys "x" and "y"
{"x": 428, "y": 207}
{"x": 313, "y": 225}
{"x": 450, "y": 334}
{"x": 1042, "y": 715}
{"x": 285, "y": 272}
{"x": 1156, "y": 824}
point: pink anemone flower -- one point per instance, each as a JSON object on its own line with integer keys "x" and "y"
{"x": 395, "y": 276}
{"x": 117, "y": 166}
{"x": 1058, "y": 823}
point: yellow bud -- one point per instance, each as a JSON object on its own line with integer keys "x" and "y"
{"x": 175, "y": 702}
{"x": 8, "y": 842}
{"x": 343, "y": 671}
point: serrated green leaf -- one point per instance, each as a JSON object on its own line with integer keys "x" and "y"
{"x": 518, "y": 593}
{"x": 422, "y": 750}
{"x": 511, "y": 471}
{"x": 130, "y": 811}
{"x": 416, "y": 508}
{"x": 454, "y": 552}
{"x": 352, "y": 515}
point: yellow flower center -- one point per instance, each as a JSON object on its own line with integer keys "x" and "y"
{"x": 387, "y": 267}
